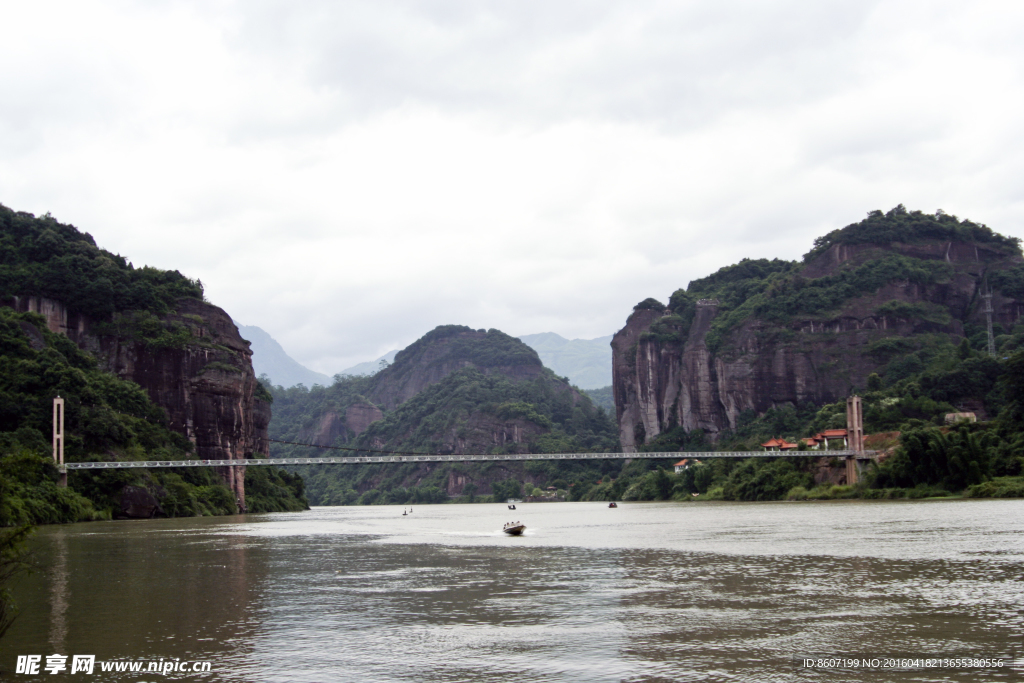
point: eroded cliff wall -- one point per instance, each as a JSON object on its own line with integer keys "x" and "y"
{"x": 673, "y": 371}
{"x": 202, "y": 376}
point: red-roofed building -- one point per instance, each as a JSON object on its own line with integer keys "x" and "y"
{"x": 778, "y": 445}
{"x": 834, "y": 437}
{"x": 685, "y": 464}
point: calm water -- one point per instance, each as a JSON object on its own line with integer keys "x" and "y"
{"x": 647, "y": 592}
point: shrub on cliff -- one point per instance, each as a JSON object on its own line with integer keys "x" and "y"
{"x": 649, "y": 304}
{"x": 909, "y": 227}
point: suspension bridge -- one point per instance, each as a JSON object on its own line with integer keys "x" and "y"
{"x": 853, "y": 458}
{"x": 471, "y": 457}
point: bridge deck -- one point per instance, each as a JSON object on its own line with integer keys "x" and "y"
{"x": 356, "y": 459}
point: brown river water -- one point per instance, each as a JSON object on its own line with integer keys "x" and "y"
{"x": 646, "y": 592}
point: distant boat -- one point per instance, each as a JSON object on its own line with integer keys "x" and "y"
{"x": 613, "y": 504}
{"x": 514, "y": 528}
{"x": 511, "y": 507}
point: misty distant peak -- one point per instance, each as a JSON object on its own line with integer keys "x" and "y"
{"x": 586, "y": 362}
{"x": 269, "y": 358}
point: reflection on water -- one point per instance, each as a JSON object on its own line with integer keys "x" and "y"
{"x": 59, "y": 592}
{"x": 648, "y": 592}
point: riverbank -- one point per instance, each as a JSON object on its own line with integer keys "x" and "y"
{"x": 29, "y": 493}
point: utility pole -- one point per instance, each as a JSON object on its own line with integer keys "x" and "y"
{"x": 58, "y": 440}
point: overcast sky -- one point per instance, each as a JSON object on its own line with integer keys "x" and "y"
{"x": 349, "y": 175}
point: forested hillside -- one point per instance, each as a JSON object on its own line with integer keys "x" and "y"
{"x": 97, "y": 301}
{"x": 455, "y": 390}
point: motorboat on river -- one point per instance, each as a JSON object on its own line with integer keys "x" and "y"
{"x": 514, "y": 528}
{"x": 613, "y": 504}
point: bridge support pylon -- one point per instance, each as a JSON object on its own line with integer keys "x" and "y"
{"x": 854, "y": 436}
{"x": 58, "y": 440}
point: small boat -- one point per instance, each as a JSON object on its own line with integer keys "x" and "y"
{"x": 613, "y": 504}
{"x": 511, "y": 507}
{"x": 514, "y": 528}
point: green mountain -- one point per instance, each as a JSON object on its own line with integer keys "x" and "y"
{"x": 455, "y": 390}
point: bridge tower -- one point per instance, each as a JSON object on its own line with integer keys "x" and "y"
{"x": 854, "y": 435}
{"x": 58, "y": 439}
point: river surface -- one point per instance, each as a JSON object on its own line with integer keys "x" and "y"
{"x": 646, "y": 592}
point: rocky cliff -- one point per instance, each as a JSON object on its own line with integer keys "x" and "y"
{"x": 192, "y": 363}
{"x": 762, "y": 334}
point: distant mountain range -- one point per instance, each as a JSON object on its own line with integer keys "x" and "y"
{"x": 370, "y": 367}
{"x": 586, "y": 362}
{"x": 270, "y": 359}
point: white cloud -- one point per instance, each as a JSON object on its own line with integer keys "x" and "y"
{"x": 349, "y": 175}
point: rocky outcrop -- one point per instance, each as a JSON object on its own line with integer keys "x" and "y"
{"x": 661, "y": 382}
{"x": 137, "y": 502}
{"x": 203, "y": 378}
{"x": 482, "y": 432}
{"x": 359, "y": 416}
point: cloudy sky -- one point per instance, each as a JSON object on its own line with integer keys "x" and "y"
{"x": 348, "y": 175}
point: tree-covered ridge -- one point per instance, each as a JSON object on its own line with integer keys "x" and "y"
{"x": 40, "y": 256}
{"x": 483, "y": 349}
{"x": 779, "y": 292}
{"x": 565, "y": 420}
{"x": 913, "y": 227}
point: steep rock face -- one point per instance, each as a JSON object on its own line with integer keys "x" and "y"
{"x": 482, "y": 432}
{"x": 332, "y": 424}
{"x": 58, "y": 318}
{"x": 660, "y": 383}
{"x": 359, "y": 416}
{"x": 206, "y": 384}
